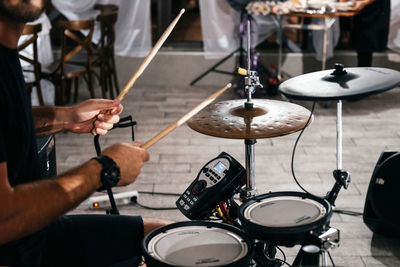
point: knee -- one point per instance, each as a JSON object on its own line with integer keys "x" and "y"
{"x": 149, "y": 224}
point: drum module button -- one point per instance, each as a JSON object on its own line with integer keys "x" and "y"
{"x": 199, "y": 187}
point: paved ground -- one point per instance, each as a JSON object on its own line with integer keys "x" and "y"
{"x": 370, "y": 126}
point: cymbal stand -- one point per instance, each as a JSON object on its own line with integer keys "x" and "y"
{"x": 341, "y": 176}
{"x": 251, "y": 82}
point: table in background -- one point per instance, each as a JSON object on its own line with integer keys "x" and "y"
{"x": 329, "y": 19}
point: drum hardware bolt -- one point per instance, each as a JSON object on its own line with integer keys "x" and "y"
{"x": 330, "y": 239}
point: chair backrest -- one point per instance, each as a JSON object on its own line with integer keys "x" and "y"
{"x": 80, "y": 32}
{"x": 107, "y": 37}
{"x": 33, "y": 30}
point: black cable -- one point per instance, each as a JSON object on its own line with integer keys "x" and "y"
{"x": 294, "y": 150}
{"x": 159, "y": 193}
{"x": 285, "y": 262}
{"x": 154, "y": 208}
{"x": 330, "y": 257}
{"x": 134, "y": 200}
{"x": 283, "y": 253}
{"x": 348, "y": 212}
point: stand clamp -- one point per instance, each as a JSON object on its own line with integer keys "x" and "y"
{"x": 329, "y": 239}
{"x": 251, "y": 81}
{"x": 342, "y": 180}
{"x": 318, "y": 244}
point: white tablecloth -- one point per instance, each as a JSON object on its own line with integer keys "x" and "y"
{"x": 133, "y": 28}
{"x": 394, "y": 33}
{"x": 45, "y": 57}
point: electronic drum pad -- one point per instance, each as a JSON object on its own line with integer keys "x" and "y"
{"x": 350, "y": 83}
{"x": 197, "y": 243}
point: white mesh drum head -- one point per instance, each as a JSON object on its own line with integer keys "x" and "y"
{"x": 284, "y": 211}
{"x": 197, "y": 246}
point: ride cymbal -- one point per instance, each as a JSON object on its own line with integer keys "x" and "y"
{"x": 340, "y": 84}
{"x": 267, "y": 118}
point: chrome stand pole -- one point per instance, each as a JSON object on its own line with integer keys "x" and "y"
{"x": 339, "y": 135}
{"x": 250, "y": 190}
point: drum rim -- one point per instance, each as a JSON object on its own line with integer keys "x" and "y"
{"x": 323, "y": 220}
{"x": 255, "y": 204}
{"x": 238, "y": 232}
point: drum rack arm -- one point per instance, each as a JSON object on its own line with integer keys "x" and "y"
{"x": 342, "y": 180}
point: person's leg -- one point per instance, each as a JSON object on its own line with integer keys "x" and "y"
{"x": 364, "y": 59}
{"x": 97, "y": 240}
{"x": 151, "y": 224}
{"x": 94, "y": 240}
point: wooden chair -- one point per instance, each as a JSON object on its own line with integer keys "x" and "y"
{"x": 106, "y": 61}
{"x": 67, "y": 71}
{"x": 32, "y": 30}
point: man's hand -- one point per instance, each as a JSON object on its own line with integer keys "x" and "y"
{"x": 130, "y": 158}
{"x": 97, "y": 114}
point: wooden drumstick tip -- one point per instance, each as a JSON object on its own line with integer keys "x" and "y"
{"x": 94, "y": 133}
{"x": 184, "y": 118}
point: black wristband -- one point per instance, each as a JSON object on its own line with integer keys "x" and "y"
{"x": 110, "y": 174}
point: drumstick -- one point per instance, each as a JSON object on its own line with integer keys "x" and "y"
{"x": 184, "y": 118}
{"x": 146, "y": 61}
{"x": 150, "y": 56}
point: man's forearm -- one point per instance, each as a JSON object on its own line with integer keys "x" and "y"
{"x": 33, "y": 205}
{"x": 50, "y": 119}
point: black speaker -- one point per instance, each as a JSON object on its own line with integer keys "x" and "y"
{"x": 382, "y": 205}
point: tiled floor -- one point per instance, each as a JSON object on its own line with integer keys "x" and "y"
{"x": 370, "y": 126}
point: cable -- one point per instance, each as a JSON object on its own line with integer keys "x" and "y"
{"x": 154, "y": 208}
{"x": 330, "y": 257}
{"x": 285, "y": 262}
{"x": 283, "y": 253}
{"x": 294, "y": 151}
{"x": 159, "y": 193}
{"x": 349, "y": 212}
{"x": 135, "y": 201}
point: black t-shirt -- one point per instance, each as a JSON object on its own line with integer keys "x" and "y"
{"x": 17, "y": 132}
{"x": 17, "y": 148}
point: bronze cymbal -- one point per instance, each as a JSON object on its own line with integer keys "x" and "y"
{"x": 268, "y": 118}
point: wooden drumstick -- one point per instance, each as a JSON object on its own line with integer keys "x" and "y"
{"x": 149, "y": 57}
{"x": 184, "y": 118}
{"x": 147, "y": 60}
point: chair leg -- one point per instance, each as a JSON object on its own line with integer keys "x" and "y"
{"x": 109, "y": 79}
{"x": 38, "y": 87}
{"x": 90, "y": 83}
{"x": 114, "y": 72}
{"x": 103, "y": 84}
{"x": 61, "y": 94}
{"x": 68, "y": 83}
{"x": 76, "y": 84}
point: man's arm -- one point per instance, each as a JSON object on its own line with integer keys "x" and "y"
{"x": 29, "y": 207}
{"x": 26, "y": 208}
{"x": 98, "y": 114}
